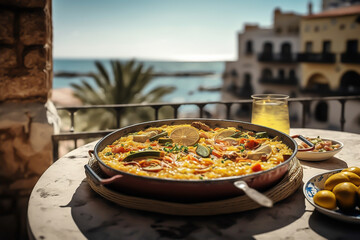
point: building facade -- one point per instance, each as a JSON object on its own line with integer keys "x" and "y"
{"x": 266, "y": 58}
{"x": 301, "y": 56}
{"x": 330, "y": 51}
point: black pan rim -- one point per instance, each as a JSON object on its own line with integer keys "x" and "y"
{"x": 194, "y": 181}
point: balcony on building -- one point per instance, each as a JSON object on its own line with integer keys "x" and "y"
{"x": 351, "y": 55}
{"x": 285, "y": 55}
{"x": 316, "y": 57}
{"x": 278, "y": 80}
{"x": 324, "y": 57}
{"x": 267, "y": 77}
{"x": 277, "y": 58}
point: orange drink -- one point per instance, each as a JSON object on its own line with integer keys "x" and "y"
{"x": 271, "y": 110}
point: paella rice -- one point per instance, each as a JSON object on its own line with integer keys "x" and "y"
{"x": 194, "y": 151}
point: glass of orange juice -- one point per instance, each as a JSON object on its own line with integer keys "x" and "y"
{"x": 271, "y": 110}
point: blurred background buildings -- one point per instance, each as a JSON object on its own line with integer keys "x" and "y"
{"x": 302, "y": 56}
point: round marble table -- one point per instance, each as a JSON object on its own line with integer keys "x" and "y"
{"x": 63, "y": 206}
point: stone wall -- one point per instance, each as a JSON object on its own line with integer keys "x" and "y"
{"x": 25, "y": 50}
{"x": 27, "y": 118}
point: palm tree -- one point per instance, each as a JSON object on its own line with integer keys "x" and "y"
{"x": 125, "y": 85}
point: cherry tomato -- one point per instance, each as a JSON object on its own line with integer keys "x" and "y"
{"x": 256, "y": 167}
{"x": 120, "y": 149}
{"x": 251, "y": 144}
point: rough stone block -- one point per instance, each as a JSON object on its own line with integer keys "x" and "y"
{"x": 34, "y": 150}
{"x": 9, "y": 165}
{"x": 28, "y": 131}
{"x": 33, "y": 28}
{"x": 7, "y": 57}
{"x": 23, "y": 85}
{"x": 6, "y": 27}
{"x": 48, "y": 56}
{"x": 27, "y": 3}
{"x": 35, "y": 59}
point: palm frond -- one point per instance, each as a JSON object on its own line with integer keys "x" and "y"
{"x": 135, "y": 83}
{"x": 94, "y": 97}
{"x": 87, "y": 86}
{"x": 100, "y": 82}
{"x": 77, "y": 86}
{"x": 144, "y": 79}
{"x": 115, "y": 71}
{"x": 103, "y": 72}
{"x": 123, "y": 84}
{"x": 127, "y": 70}
{"x": 119, "y": 89}
{"x": 147, "y": 76}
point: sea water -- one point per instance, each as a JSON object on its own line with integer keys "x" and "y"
{"x": 187, "y": 87}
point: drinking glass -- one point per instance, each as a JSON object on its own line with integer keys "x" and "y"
{"x": 271, "y": 110}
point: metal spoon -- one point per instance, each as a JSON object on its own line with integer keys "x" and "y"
{"x": 254, "y": 195}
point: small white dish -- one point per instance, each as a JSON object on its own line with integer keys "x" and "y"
{"x": 319, "y": 156}
{"x": 316, "y": 184}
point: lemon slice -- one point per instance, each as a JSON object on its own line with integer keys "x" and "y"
{"x": 202, "y": 151}
{"x": 186, "y": 136}
{"x": 224, "y": 134}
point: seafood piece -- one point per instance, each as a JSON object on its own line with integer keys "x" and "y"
{"x": 143, "y": 137}
{"x": 201, "y": 126}
{"x": 262, "y": 153}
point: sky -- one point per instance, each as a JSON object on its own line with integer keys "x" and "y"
{"x": 178, "y": 30}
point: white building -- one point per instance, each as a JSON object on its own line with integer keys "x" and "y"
{"x": 266, "y": 60}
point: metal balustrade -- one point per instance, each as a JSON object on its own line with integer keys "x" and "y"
{"x": 118, "y": 108}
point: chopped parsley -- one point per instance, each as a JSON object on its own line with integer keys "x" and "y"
{"x": 175, "y": 148}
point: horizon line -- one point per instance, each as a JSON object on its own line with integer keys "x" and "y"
{"x": 144, "y": 59}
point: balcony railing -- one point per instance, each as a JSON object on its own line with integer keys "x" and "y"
{"x": 118, "y": 108}
{"x": 316, "y": 57}
{"x": 350, "y": 57}
{"x": 277, "y": 58}
{"x": 282, "y": 81}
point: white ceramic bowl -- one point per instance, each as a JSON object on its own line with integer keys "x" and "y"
{"x": 319, "y": 156}
{"x": 315, "y": 184}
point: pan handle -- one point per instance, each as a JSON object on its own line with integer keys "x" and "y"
{"x": 253, "y": 194}
{"x": 91, "y": 153}
{"x": 302, "y": 138}
{"x": 97, "y": 179}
